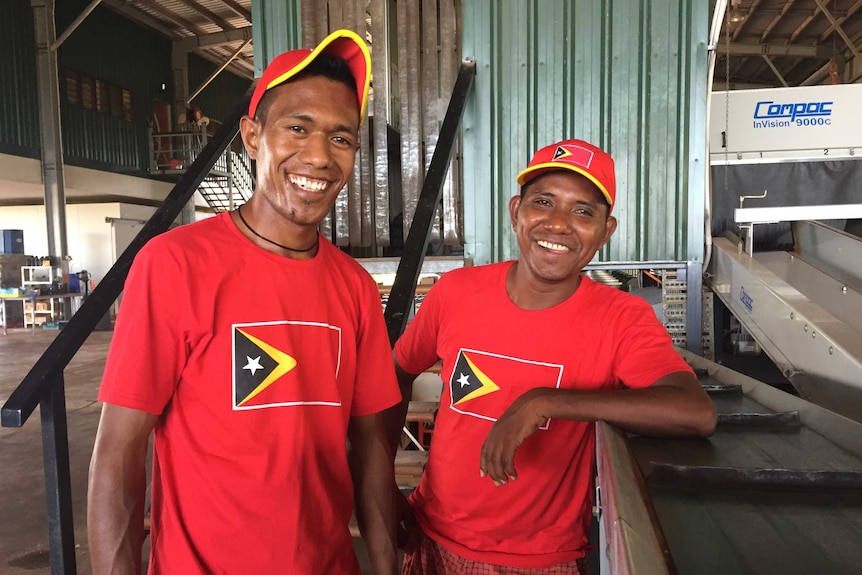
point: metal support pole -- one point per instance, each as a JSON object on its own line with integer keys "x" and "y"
{"x": 180, "y": 67}
{"x": 775, "y": 70}
{"x": 49, "y": 122}
{"x": 694, "y": 307}
{"x": 218, "y": 71}
{"x": 404, "y": 287}
{"x": 74, "y": 25}
{"x": 229, "y": 179}
{"x": 58, "y": 482}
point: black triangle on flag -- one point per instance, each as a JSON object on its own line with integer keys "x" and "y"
{"x": 257, "y": 365}
{"x": 469, "y": 381}
{"x": 561, "y": 152}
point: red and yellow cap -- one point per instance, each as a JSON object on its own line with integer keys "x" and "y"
{"x": 342, "y": 43}
{"x": 578, "y": 156}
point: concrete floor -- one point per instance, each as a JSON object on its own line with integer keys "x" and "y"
{"x": 24, "y": 527}
{"x": 23, "y": 519}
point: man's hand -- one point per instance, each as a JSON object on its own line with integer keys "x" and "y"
{"x": 517, "y": 423}
{"x": 406, "y": 520}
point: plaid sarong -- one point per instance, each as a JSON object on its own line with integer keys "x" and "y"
{"x": 424, "y": 556}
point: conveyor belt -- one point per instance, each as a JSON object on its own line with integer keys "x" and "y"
{"x": 808, "y": 322}
{"x": 760, "y": 499}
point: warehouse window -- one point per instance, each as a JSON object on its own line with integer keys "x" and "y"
{"x": 88, "y": 92}
{"x": 102, "y": 97}
{"x": 96, "y": 94}
{"x": 73, "y": 88}
{"x": 127, "y": 105}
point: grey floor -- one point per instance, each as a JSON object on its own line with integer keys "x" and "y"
{"x": 23, "y": 524}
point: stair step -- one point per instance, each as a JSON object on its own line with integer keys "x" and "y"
{"x": 409, "y": 466}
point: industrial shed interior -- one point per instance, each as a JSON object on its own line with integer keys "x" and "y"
{"x": 736, "y": 131}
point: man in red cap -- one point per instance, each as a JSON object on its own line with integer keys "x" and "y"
{"x": 533, "y": 353}
{"x": 257, "y": 354}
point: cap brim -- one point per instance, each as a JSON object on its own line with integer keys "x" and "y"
{"x": 345, "y": 44}
{"x": 535, "y": 171}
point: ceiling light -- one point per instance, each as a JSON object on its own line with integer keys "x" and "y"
{"x": 737, "y": 13}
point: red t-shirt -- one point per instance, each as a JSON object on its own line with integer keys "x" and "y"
{"x": 492, "y": 352}
{"x": 255, "y": 364}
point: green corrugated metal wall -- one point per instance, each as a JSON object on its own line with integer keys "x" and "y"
{"x": 19, "y": 112}
{"x": 112, "y": 48}
{"x": 222, "y": 95}
{"x": 276, "y": 28}
{"x": 628, "y": 75}
{"x": 106, "y": 46}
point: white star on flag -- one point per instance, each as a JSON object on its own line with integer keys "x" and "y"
{"x": 464, "y": 380}
{"x": 253, "y": 364}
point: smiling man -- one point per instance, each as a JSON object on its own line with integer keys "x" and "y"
{"x": 256, "y": 352}
{"x": 533, "y": 353}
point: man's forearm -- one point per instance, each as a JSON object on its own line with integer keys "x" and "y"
{"x": 659, "y": 410}
{"x": 117, "y": 490}
{"x": 394, "y": 417}
{"x": 115, "y": 519}
{"x": 673, "y": 406}
{"x": 371, "y": 464}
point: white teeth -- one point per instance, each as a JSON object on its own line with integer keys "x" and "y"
{"x": 308, "y": 184}
{"x": 551, "y": 246}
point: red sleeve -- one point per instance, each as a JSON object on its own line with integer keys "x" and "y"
{"x": 645, "y": 352}
{"x": 416, "y": 349}
{"x": 376, "y": 387}
{"x": 148, "y": 350}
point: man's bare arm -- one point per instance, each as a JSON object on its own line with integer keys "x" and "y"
{"x": 395, "y": 416}
{"x": 673, "y": 406}
{"x": 371, "y": 464}
{"x": 117, "y": 490}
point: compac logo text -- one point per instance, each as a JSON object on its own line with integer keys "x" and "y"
{"x": 775, "y": 115}
{"x": 746, "y": 300}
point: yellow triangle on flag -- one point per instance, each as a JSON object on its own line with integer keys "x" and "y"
{"x": 488, "y": 385}
{"x": 285, "y": 364}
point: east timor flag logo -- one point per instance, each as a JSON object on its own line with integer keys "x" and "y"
{"x": 485, "y": 384}
{"x": 285, "y": 364}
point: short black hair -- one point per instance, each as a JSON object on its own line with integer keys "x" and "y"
{"x": 332, "y": 67}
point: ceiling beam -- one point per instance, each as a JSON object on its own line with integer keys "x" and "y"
{"x": 850, "y": 11}
{"x": 238, "y": 9}
{"x": 775, "y": 20}
{"x": 176, "y": 19}
{"x": 804, "y": 24}
{"x": 775, "y": 70}
{"x": 797, "y": 51}
{"x": 839, "y": 29}
{"x": 204, "y": 11}
{"x": 742, "y": 24}
{"x": 236, "y": 67}
{"x": 215, "y": 39}
{"x": 136, "y": 15}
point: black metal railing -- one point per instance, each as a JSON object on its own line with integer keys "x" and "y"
{"x": 44, "y": 385}
{"x": 404, "y": 287}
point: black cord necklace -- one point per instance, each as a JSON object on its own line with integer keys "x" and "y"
{"x": 252, "y": 230}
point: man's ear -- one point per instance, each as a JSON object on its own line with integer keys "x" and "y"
{"x": 514, "y": 202}
{"x": 250, "y": 132}
{"x": 610, "y": 228}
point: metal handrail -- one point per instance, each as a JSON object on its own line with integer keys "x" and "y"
{"x": 44, "y": 384}
{"x": 404, "y": 287}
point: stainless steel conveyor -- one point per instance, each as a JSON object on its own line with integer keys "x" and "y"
{"x": 777, "y": 489}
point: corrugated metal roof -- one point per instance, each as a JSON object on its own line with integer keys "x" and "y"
{"x": 179, "y": 19}
{"x": 625, "y": 75}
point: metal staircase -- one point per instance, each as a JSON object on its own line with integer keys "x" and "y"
{"x": 230, "y": 182}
